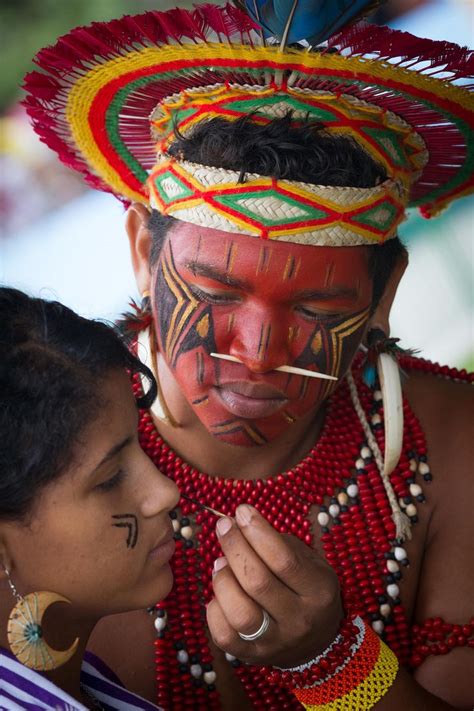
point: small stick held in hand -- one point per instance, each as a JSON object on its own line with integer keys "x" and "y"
{"x": 203, "y": 506}
{"x": 281, "y": 368}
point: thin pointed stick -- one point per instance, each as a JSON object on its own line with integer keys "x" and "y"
{"x": 203, "y": 506}
{"x": 281, "y": 368}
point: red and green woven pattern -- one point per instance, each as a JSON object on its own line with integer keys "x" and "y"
{"x": 275, "y": 209}
{"x": 98, "y": 86}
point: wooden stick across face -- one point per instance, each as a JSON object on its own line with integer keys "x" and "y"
{"x": 281, "y": 368}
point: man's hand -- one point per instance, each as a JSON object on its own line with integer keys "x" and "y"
{"x": 265, "y": 570}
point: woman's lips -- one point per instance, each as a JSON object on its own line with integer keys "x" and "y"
{"x": 162, "y": 553}
{"x": 251, "y": 400}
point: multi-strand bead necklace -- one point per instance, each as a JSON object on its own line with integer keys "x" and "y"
{"x": 340, "y": 478}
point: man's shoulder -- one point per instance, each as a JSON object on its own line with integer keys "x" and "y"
{"x": 442, "y": 400}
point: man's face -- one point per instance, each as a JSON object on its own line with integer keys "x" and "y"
{"x": 267, "y": 303}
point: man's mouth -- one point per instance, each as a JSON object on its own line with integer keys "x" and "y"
{"x": 250, "y": 400}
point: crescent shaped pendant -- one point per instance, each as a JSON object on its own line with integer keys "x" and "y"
{"x": 25, "y": 633}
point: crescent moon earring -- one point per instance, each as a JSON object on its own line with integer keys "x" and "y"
{"x": 25, "y": 632}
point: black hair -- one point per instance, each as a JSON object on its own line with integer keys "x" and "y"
{"x": 51, "y": 365}
{"x": 283, "y": 150}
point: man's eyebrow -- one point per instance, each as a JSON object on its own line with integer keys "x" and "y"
{"x": 114, "y": 451}
{"x": 330, "y": 292}
{"x": 206, "y": 270}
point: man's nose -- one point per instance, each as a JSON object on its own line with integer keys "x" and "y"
{"x": 260, "y": 340}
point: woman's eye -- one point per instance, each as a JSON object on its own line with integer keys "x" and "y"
{"x": 113, "y": 482}
{"x": 213, "y": 298}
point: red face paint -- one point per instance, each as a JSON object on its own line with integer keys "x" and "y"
{"x": 267, "y": 303}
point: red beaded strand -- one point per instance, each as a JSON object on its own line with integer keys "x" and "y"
{"x": 358, "y": 538}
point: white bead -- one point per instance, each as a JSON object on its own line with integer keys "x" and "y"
{"x": 210, "y": 677}
{"x": 413, "y": 465}
{"x": 334, "y": 510}
{"x": 352, "y": 490}
{"x": 423, "y": 468}
{"x": 187, "y": 532}
{"x": 229, "y": 657}
{"x": 393, "y": 590}
{"x": 196, "y": 670}
{"x": 176, "y": 525}
{"x": 401, "y": 503}
{"x": 376, "y": 419}
{"x": 411, "y": 510}
{"x": 360, "y": 464}
{"x": 385, "y": 609}
{"x": 160, "y": 623}
{"x": 377, "y": 395}
{"x": 323, "y": 518}
{"x": 366, "y": 453}
{"x": 400, "y": 553}
{"x": 392, "y": 566}
{"x": 183, "y": 656}
{"x": 415, "y": 489}
{"x": 342, "y": 498}
{"x": 378, "y": 626}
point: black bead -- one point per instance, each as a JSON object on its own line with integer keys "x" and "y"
{"x": 207, "y": 667}
{"x": 178, "y": 646}
{"x": 410, "y": 480}
{"x": 173, "y": 515}
{"x": 344, "y": 508}
{"x": 414, "y": 519}
{"x": 197, "y": 682}
{"x": 407, "y": 499}
{"x": 235, "y": 663}
{"x": 423, "y": 458}
{"x": 427, "y": 477}
{"x": 420, "y": 498}
{"x": 211, "y": 687}
{"x": 183, "y": 668}
{"x": 185, "y": 521}
{"x": 381, "y": 599}
{"x": 397, "y": 575}
{"x": 194, "y": 659}
{"x": 161, "y": 613}
{"x": 323, "y": 508}
{"x": 324, "y": 529}
{"x": 188, "y": 544}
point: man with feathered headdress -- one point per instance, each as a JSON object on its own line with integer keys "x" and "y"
{"x": 268, "y": 159}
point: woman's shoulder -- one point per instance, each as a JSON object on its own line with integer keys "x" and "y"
{"x": 22, "y": 689}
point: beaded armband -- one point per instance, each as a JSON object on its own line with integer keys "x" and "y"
{"x": 354, "y": 672}
{"x": 435, "y": 636}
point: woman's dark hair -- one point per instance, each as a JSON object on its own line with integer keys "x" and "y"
{"x": 51, "y": 365}
{"x": 283, "y": 150}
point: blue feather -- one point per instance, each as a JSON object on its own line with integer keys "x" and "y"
{"x": 313, "y": 20}
{"x": 369, "y": 375}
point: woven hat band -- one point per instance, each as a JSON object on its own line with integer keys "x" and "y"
{"x": 267, "y": 208}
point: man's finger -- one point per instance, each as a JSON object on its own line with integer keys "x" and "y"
{"x": 292, "y": 562}
{"x": 252, "y": 574}
{"x": 242, "y": 613}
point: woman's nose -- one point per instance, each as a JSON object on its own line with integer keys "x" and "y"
{"x": 160, "y": 493}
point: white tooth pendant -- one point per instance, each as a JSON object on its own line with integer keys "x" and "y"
{"x": 389, "y": 377}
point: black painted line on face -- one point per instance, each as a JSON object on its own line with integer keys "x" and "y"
{"x": 130, "y": 522}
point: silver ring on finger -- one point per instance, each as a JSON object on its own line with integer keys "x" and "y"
{"x": 260, "y": 632}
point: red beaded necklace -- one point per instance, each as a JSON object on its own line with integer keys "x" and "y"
{"x": 341, "y": 479}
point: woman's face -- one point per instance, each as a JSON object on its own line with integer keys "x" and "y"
{"x": 100, "y": 534}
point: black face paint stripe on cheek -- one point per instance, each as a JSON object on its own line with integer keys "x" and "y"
{"x": 130, "y": 522}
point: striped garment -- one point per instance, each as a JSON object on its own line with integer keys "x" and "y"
{"x": 22, "y": 689}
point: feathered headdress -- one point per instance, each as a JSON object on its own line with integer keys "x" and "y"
{"x": 108, "y": 97}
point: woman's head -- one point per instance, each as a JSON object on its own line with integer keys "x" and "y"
{"x": 81, "y": 506}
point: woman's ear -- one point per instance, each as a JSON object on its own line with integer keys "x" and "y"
{"x": 381, "y": 316}
{"x": 5, "y": 559}
{"x": 139, "y": 237}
